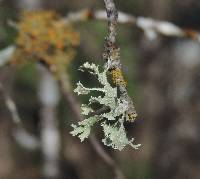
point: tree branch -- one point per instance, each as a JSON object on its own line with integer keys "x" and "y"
{"x": 112, "y": 54}
{"x": 151, "y": 27}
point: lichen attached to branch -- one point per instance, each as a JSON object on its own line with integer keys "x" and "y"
{"x": 111, "y": 119}
{"x": 44, "y": 37}
{"x": 112, "y": 54}
{"x": 116, "y": 107}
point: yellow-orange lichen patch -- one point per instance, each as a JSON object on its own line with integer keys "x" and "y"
{"x": 117, "y": 77}
{"x": 44, "y": 37}
{"x": 132, "y": 116}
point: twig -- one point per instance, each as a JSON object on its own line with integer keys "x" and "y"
{"x": 11, "y": 106}
{"x": 151, "y": 27}
{"x": 112, "y": 54}
{"x": 23, "y": 138}
{"x": 6, "y": 54}
{"x": 67, "y": 92}
{"x": 106, "y": 158}
{"x": 89, "y": 14}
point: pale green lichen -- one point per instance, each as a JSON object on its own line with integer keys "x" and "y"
{"x": 84, "y": 127}
{"x": 113, "y": 120}
{"x": 115, "y": 136}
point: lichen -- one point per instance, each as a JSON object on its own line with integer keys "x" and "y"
{"x": 111, "y": 120}
{"x": 117, "y": 77}
{"x": 43, "y": 36}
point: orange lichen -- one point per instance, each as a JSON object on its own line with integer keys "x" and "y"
{"x": 117, "y": 77}
{"x": 132, "y": 116}
{"x": 44, "y": 37}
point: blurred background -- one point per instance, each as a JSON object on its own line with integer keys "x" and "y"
{"x": 163, "y": 77}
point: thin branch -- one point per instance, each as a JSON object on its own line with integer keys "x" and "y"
{"x": 112, "y": 16}
{"x": 112, "y": 54}
{"x": 6, "y": 54}
{"x": 150, "y": 26}
{"x": 106, "y": 158}
{"x": 11, "y": 106}
{"x": 75, "y": 107}
{"x": 22, "y": 137}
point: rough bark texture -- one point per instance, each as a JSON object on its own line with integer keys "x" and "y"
{"x": 112, "y": 53}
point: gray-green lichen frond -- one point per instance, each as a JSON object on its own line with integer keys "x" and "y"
{"x": 111, "y": 120}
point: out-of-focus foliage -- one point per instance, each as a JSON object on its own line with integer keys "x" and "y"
{"x": 44, "y": 36}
